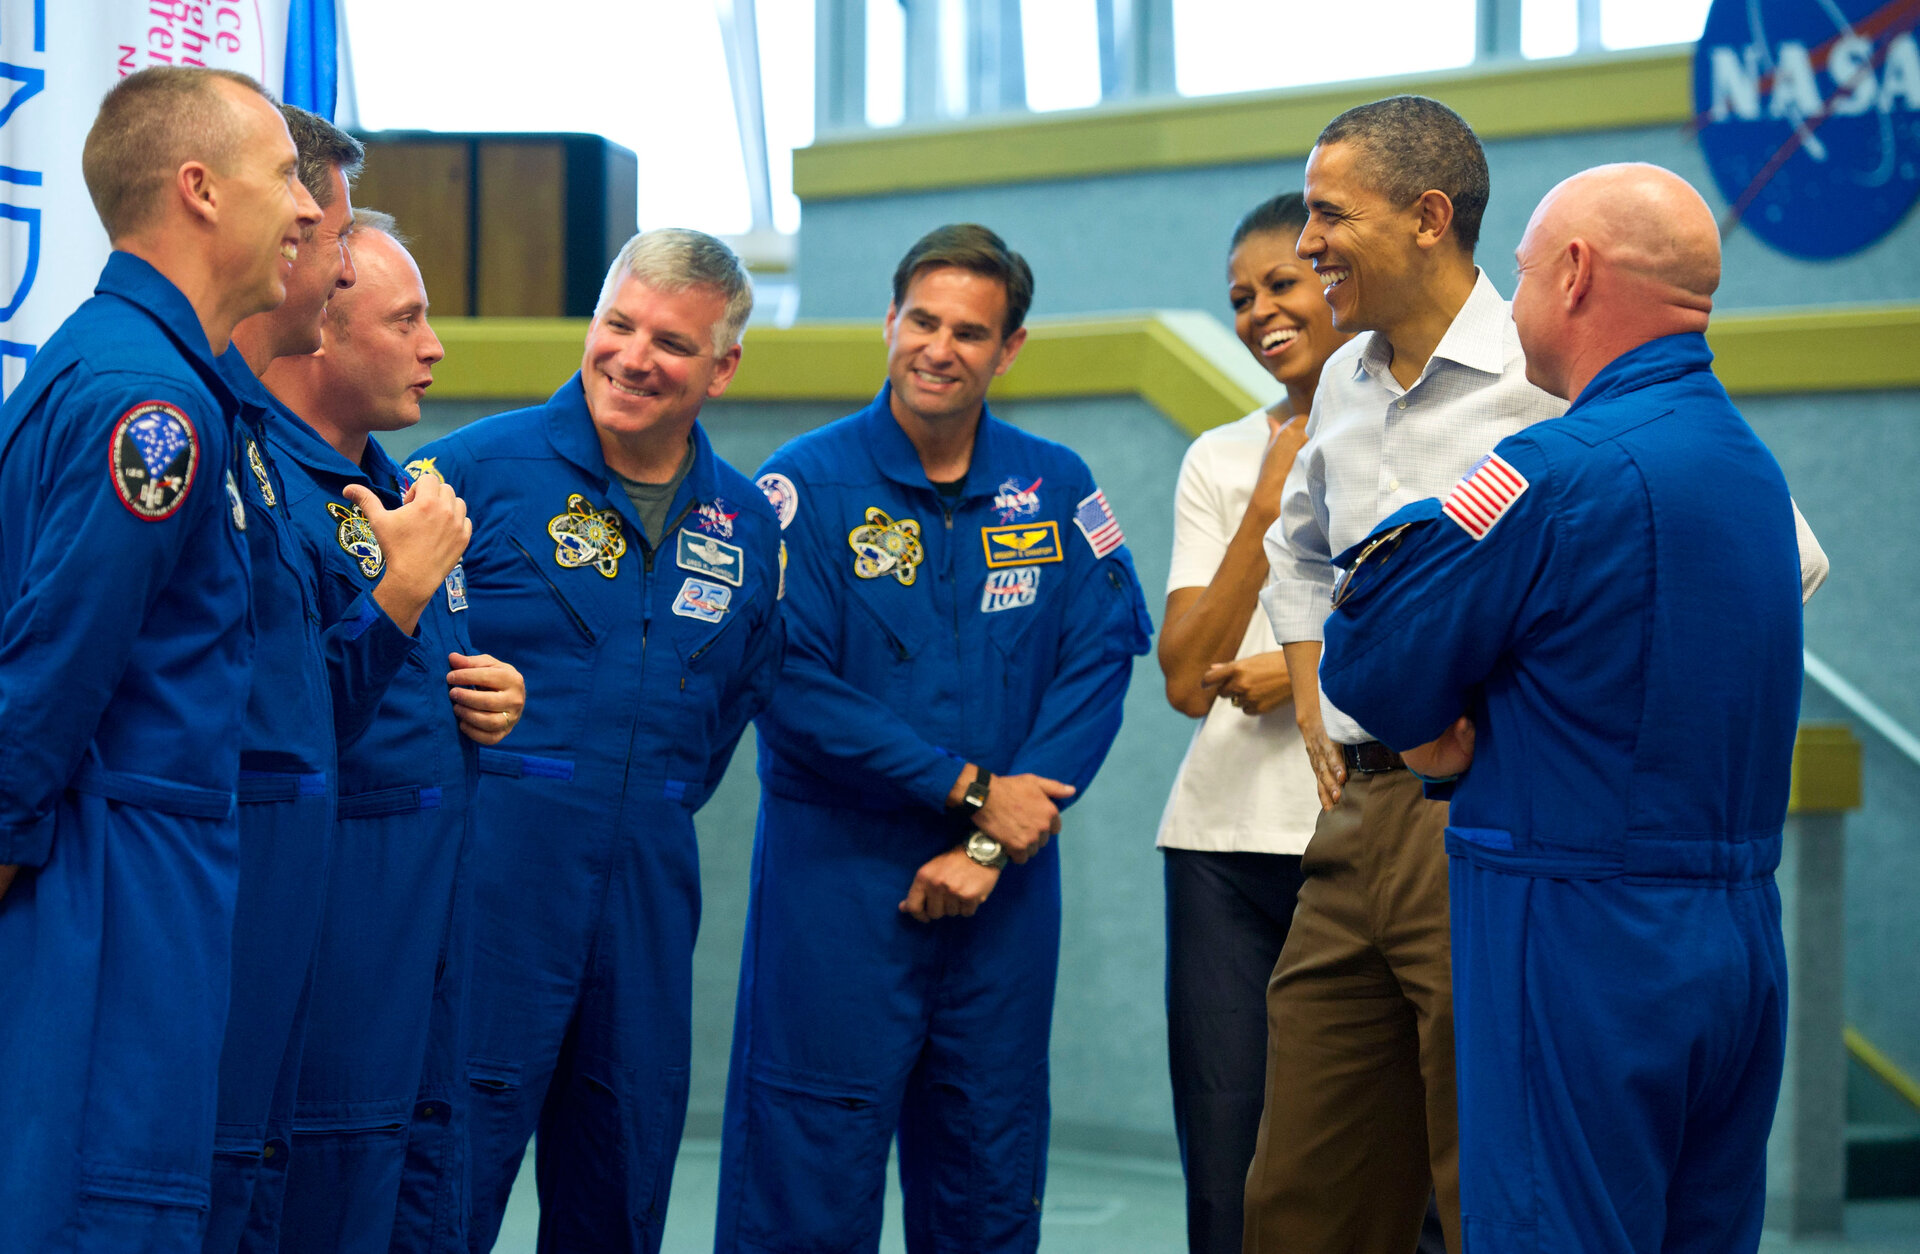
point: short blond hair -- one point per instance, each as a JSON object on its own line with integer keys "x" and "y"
{"x": 151, "y": 123}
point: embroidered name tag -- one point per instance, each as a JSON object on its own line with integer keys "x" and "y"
{"x": 1024, "y": 544}
{"x": 705, "y": 555}
{"x": 457, "y": 589}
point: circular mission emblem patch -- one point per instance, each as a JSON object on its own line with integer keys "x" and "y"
{"x": 153, "y": 455}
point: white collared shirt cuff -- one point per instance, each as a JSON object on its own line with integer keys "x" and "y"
{"x": 1297, "y": 608}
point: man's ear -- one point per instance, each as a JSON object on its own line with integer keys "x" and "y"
{"x": 1577, "y": 281}
{"x": 1009, "y": 350}
{"x": 723, "y": 369}
{"x": 1434, "y": 218}
{"x": 194, "y": 184}
{"x": 886, "y": 327}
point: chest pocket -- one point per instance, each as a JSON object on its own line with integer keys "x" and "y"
{"x": 1011, "y": 599}
{"x": 886, "y": 631}
{"x": 537, "y": 581}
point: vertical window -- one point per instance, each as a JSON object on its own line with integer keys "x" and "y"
{"x": 1060, "y": 43}
{"x": 1231, "y": 45}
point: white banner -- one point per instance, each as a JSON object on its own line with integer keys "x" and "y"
{"x": 57, "y": 59}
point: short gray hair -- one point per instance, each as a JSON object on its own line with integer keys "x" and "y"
{"x": 673, "y": 259}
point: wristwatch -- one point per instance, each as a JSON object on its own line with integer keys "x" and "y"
{"x": 985, "y": 850}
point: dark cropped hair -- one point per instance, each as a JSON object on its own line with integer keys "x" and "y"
{"x": 1286, "y": 213}
{"x": 970, "y": 247}
{"x": 322, "y": 146}
{"x": 1409, "y": 145}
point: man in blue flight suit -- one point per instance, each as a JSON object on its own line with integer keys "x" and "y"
{"x": 638, "y": 575}
{"x": 287, "y": 751}
{"x": 1593, "y": 644}
{"x": 963, "y": 618}
{"x": 378, "y": 1159}
{"x": 125, "y": 648}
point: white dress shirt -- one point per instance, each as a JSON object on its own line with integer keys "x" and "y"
{"x": 1373, "y": 446}
{"x": 1245, "y": 785}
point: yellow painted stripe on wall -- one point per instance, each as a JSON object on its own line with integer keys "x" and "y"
{"x": 1559, "y": 96}
{"x": 1186, "y": 364}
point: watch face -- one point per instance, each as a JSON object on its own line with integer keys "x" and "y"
{"x": 982, "y": 848}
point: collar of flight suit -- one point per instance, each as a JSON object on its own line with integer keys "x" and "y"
{"x": 306, "y": 446}
{"x": 135, "y": 281}
{"x": 251, "y": 395}
{"x": 570, "y": 429}
{"x": 1655, "y": 362}
{"x": 895, "y": 457}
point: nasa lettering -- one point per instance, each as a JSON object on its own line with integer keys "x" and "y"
{"x": 1809, "y": 117}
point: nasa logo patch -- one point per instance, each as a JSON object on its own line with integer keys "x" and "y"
{"x": 153, "y": 455}
{"x": 714, "y": 516}
{"x": 1010, "y": 589}
{"x": 1016, "y": 503}
{"x": 1808, "y": 113}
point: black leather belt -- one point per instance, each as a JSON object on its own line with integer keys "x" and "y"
{"x": 1371, "y": 758}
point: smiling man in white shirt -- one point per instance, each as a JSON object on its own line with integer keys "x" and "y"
{"x": 1360, "y": 1113}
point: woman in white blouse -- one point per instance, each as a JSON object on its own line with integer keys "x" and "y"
{"x": 1244, "y": 803}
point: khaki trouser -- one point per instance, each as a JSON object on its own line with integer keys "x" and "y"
{"x": 1360, "y": 1118}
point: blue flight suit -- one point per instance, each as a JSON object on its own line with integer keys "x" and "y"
{"x": 125, "y": 647}
{"x": 379, "y": 1153}
{"x": 287, "y": 772}
{"x": 647, "y": 657}
{"x": 998, "y": 627}
{"x": 1625, "y": 635}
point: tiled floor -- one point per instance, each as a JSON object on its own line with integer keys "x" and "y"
{"x": 1101, "y": 1204}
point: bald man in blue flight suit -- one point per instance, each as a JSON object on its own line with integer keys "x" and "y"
{"x": 379, "y": 1154}
{"x": 126, "y": 643}
{"x": 963, "y": 618}
{"x": 1593, "y": 645}
{"x": 638, "y": 577}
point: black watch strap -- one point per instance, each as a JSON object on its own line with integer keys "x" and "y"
{"x": 976, "y": 798}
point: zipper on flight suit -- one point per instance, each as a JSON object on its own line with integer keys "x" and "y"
{"x": 946, "y": 560}
{"x": 572, "y": 614}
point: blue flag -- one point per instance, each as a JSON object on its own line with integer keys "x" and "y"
{"x": 312, "y": 70}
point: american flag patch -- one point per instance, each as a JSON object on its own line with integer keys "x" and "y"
{"x": 1479, "y": 501}
{"x": 1095, "y": 519}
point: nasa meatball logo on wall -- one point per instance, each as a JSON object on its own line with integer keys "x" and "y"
{"x": 1809, "y": 116}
